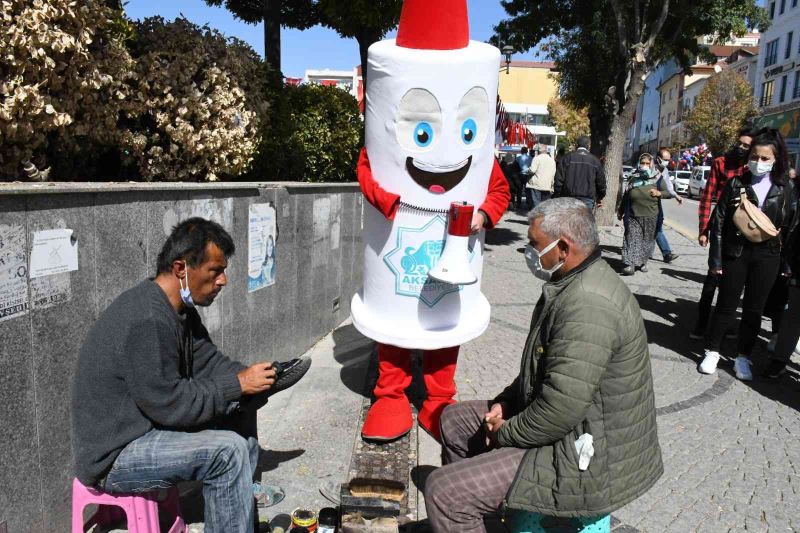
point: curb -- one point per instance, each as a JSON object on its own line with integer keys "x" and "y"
{"x": 689, "y": 234}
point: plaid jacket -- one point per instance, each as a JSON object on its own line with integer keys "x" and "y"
{"x": 722, "y": 170}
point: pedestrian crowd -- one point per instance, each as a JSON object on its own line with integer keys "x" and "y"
{"x": 753, "y": 185}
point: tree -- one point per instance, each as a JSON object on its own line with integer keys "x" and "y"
{"x": 197, "y": 104}
{"x": 366, "y": 21}
{"x": 299, "y": 14}
{"x": 723, "y": 106}
{"x": 604, "y": 50}
{"x": 565, "y": 117}
{"x": 62, "y": 80}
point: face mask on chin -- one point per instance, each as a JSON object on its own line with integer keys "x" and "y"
{"x": 759, "y": 168}
{"x": 186, "y": 294}
{"x": 533, "y": 258}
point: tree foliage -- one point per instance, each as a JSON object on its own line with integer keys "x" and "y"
{"x": 366, "y": 21}
{"x": 62, "y": 79}
{"x": 314, "y": 134}
{"x": 723, "y": 107}
{"x": 196, "y": 103}
{"x": 565, "y": 117}
{"x": 274, "y": 14}
{"x": 604, "y": 50}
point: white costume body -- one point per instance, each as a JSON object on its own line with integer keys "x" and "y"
{"x": 449, "y": 93}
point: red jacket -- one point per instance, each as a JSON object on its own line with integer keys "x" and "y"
{"x": 495, "y": 204}
{"x": 722, "y": 170}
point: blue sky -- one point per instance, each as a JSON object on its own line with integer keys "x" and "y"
{"x": 316, "y": 48}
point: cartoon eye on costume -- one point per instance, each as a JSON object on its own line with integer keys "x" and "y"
{"x": 423, "y": 134}
{"x": 473, "y": 117}
{"x": 469, "y": 130}
{"x": 419, "y": 121}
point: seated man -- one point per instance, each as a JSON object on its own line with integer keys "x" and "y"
{"x": 154, "y": 402}
{"x": 585, "y": 370}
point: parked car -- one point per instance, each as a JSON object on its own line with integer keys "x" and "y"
{"x": 680, "y": 180}
{"x": 698, "y": 180}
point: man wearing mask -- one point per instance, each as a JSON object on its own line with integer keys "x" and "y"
{"x": 723, "y": 169}
{"x": 662, "y": 166}
{"x": 585, "y": 363}
{"x": 155, "y": 402}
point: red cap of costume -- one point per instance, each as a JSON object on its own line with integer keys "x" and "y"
{"x": 434, "y": 25}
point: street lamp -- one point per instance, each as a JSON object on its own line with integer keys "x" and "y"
{"x": 508, "y": 51}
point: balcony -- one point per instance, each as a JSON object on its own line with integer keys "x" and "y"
{"x": 766, "y": 101}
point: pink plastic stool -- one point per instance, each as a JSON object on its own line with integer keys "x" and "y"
{"x": 140, "y": 509}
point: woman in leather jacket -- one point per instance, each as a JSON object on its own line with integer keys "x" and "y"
{"x": 744, "y": 265}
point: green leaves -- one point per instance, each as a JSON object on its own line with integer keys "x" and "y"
{"x": 314, "y": 135}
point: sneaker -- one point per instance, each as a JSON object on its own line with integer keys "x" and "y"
{"x": 742, "y": 368}
{"x": 628, "y": 271}
{"x": 643, "y": 268}
{"x": 709, "y": 364}
{"x": 697, "y": 334}
{"x": 669, "y": 258}
{"x": 773, "y": 341}
{"x": 776, "y": 369}
{"x": 267, "y": 495}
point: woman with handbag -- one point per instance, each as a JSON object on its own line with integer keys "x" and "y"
{"x": 745, "y": 238}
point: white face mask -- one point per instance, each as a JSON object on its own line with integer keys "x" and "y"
{"x": 759, "y": 168}
{"x": 534, "y": 259}
{"x": 186, "y": 294}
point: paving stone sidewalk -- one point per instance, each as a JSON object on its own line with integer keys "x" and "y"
{"x": 731, "y": 450}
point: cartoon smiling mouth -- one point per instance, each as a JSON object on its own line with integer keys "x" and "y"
{"x": 437, "y": 179}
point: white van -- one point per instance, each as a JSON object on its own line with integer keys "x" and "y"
{"x": 698, "y": 181}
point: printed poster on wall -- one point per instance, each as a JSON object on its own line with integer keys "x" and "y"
{"x": 13, "y": 273}
{"x": 261, "y": 247}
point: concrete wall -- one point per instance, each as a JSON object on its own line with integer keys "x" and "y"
{"x": 120, "y": 229}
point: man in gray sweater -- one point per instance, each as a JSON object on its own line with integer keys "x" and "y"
{"x": 155, "y": 402}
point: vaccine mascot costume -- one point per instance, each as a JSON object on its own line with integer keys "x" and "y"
{"x": 429, "y": 175}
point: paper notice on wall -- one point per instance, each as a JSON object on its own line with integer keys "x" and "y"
{"x": 13, "y": 272}
{"x": 261, "y": 247}
{"x": 49, "y": 291}
{"x": 54, "y": 251}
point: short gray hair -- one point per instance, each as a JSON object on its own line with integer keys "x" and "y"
{"x": 568, "y": 217}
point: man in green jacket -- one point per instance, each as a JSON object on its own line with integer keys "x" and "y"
{"x": 584, "y": 381}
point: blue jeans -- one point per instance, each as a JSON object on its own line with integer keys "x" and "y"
{"x": 588, "y": 201}
{"x": 663, "y": 245}
{"x": 224, "y": 459}
{"x": 534, "y": 197}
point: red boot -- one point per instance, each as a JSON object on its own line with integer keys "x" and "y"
{"x": 439, "y": 370}
{"x": 389, "y": 417}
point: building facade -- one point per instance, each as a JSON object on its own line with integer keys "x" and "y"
{"x": 525, "y": 90}
{"x": 778, "y": 77}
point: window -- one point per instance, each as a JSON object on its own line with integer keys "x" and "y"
{"x": 794, "y": 3}
{"x": 789, "y": 37}
{"x": 771, "y": 56}
{"x": 796, "y": 84}
{"x": 767, "y": 89}
{"x": 783, "y": 6}
{"x": 772, "y": 10}
{"x": 670, "y": 94}
{"x": 784, "y": 81}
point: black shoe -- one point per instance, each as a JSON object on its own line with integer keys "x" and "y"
{"x": 289, "y": 373}
{"x": 775, "y": 369}
{"x": 670, "y": 258}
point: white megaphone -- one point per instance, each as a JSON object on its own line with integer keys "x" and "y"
{"x": 453, "y": 266}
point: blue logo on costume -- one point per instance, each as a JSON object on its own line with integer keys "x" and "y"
{"x": 413, "y": 257}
